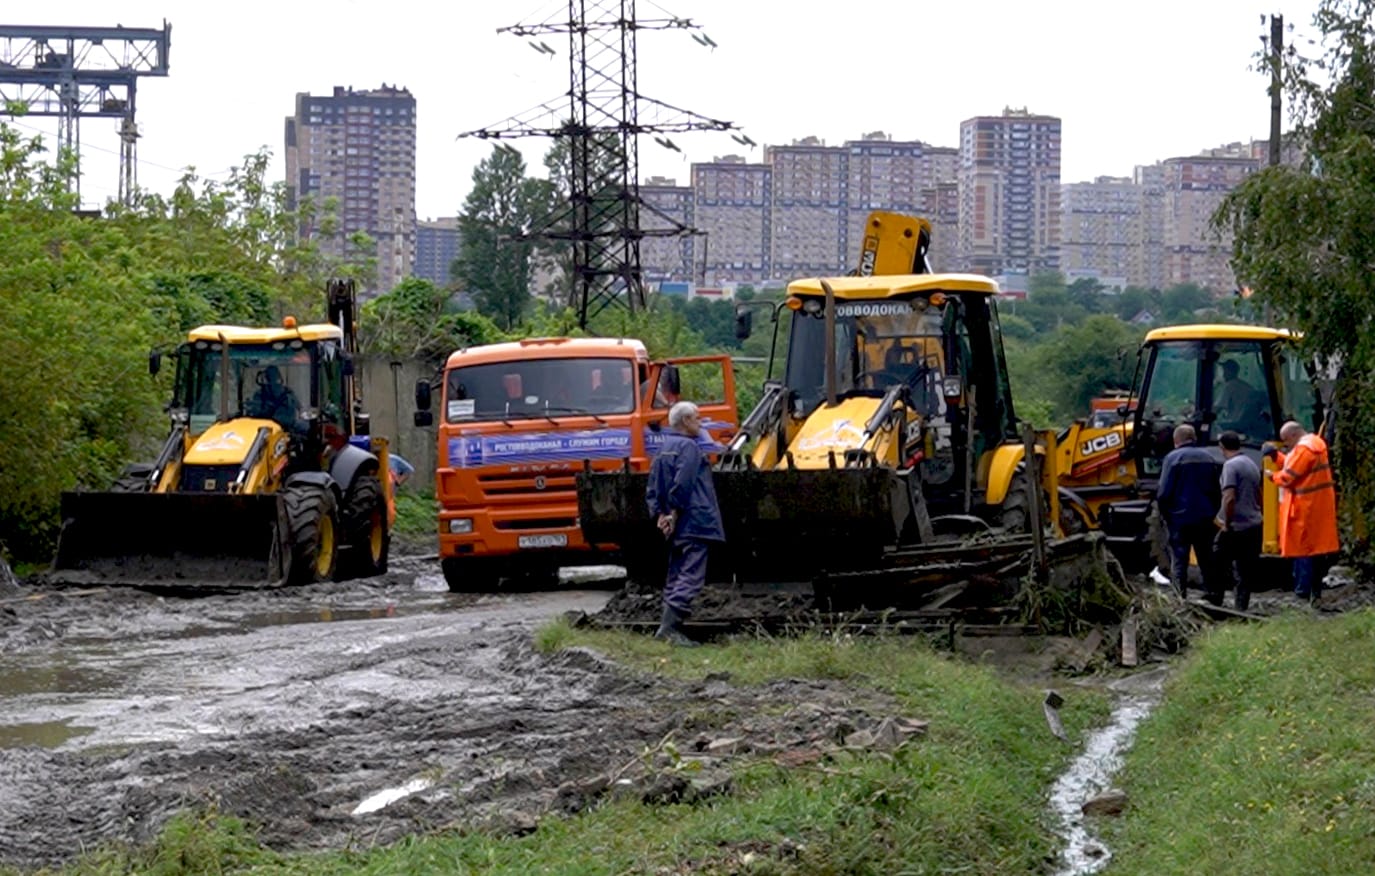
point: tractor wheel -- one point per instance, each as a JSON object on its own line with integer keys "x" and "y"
{"x": 314, "y": 524}
{"x": 134, "y": 478}
{"x": 1014, "y": 514}
{"x": 364, "y": 523}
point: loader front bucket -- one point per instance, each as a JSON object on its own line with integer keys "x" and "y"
{"x": 781, "y": 526}
{"x": 172, "y": 540}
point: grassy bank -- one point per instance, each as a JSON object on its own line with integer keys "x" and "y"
{"x": 968, "y": 797}
{"x": 1261, "y": 759}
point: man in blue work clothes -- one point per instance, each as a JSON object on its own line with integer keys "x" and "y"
{"x": 682, "y": 501}
{"x": 1188, "y": 498}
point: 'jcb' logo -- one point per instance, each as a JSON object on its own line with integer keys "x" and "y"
{"x": 1101, "y": 443}
{"x": 866, "y": 262}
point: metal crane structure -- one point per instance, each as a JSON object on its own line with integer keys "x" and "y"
{"x": 82, "y": 72}
{"x": 601, "y": 121}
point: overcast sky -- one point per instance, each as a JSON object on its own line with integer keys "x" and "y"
{"x": 1134, "y": 83}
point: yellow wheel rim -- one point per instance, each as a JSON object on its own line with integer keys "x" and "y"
{"x": 324, "y": 554}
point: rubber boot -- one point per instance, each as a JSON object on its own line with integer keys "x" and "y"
{"x": 668, "y": 629}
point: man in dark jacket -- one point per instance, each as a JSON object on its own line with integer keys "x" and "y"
{"x": 682, "y": 501}
{"x": 1188, "y": 498}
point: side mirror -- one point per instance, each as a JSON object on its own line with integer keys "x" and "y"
{"x": 154, "y": 362}
{"x": 362, "y": 424}
{"x": 422, "y": 395}
{"x": 348, "y": 366}
{"x": 744, "y": 322}
{"x": 424, "y": 419}
{"x": 670, "y": 380}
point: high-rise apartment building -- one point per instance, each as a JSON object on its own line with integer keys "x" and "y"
{"x": 1192, "y": 191}
{"x": 1010, "y": 193}
{"x": 810, "y": 185}
{"x": 1100, "y": 229}
{"x": 892, "y": 175}
{"x": 666, "y": 258}
{"x": 733, "y": 200}
{"x": 940, "y": 205}
{"x": 357, "y": 149}
{"x": 437, "y": 243}
{"x": 1148, "y": 257}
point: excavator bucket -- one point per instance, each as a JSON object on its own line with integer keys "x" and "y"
{"x": 203, "y": 541}
{"x": 782, "y": 526}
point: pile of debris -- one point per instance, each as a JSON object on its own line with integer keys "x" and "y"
{"x": 975, "y": 588}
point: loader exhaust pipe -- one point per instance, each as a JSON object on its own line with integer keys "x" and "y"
{"x": 830, "y": 344}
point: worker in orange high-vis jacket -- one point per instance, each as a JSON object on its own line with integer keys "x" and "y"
{"x": 1308, "y": 506}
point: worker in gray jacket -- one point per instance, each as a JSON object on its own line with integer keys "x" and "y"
{"x": 683, "y": 503}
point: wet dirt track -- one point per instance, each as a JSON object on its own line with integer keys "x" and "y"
{"x": 292, "y": 709}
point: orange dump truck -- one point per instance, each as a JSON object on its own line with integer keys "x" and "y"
{"x": 517, "y": 421}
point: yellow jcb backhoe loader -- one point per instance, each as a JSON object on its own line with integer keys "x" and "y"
{"x": 892, "y": 428}
{"x": 1217, "y": 378}
{"x": 268, "y": 475}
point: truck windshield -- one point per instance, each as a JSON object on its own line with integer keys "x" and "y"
{"x": 271, "y": 381}
{"x": 546, "y": 388}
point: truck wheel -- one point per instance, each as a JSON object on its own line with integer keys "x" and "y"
{"x": 313, "y": 522}
{"x": 364, "y": 523}
{"x": 469, "y": 576}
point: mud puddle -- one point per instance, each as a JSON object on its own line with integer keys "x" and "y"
{"x": 1092, "y": 772}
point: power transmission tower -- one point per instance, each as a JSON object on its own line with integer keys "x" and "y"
{"x": 602, "y": 121}
{"x": 82, "y": 72}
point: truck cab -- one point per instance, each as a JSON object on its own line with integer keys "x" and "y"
{"x": 518, "y": 420}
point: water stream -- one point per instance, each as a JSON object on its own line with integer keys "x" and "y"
{"x": 1092, "y": 772}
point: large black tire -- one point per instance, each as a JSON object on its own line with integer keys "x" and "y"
{"x": 469, "y": 576}
{"x": 366, "y": 538}
{"x": 1014, "y": 514}
{"x": 313, "y": 521}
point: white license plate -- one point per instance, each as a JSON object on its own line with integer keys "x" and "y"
{"x": 542, "y": 541}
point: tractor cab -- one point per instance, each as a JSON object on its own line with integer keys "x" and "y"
{"x": 902, "y": 371}
{"x": 1219, "y": 378}
{"x": 295, "y": 378}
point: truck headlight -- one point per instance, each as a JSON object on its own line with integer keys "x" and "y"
{"x": 460, "y": 526}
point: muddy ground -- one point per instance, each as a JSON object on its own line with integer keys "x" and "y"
{"x": 349, "y": 714}
{"x": 352, "y": 714}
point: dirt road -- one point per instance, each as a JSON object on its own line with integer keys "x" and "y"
{"x": 292, "y": 708}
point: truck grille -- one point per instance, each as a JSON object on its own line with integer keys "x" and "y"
{"x": 207, "y": 478}
{"x": 562, "y": 485}
{"x": 537, "y": 523}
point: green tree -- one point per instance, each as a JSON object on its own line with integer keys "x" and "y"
{"x": 1057, "y": 377}
{"x": 1304, "y": 237}
{"x": 1181, "y": 303}
{"x": 1048, "y": 305}
{"x": 494, "y": 259}
{"x": 417, "y": 320}
{"x": 1086, "y": 293}
{"x": 1134, "y": 300}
